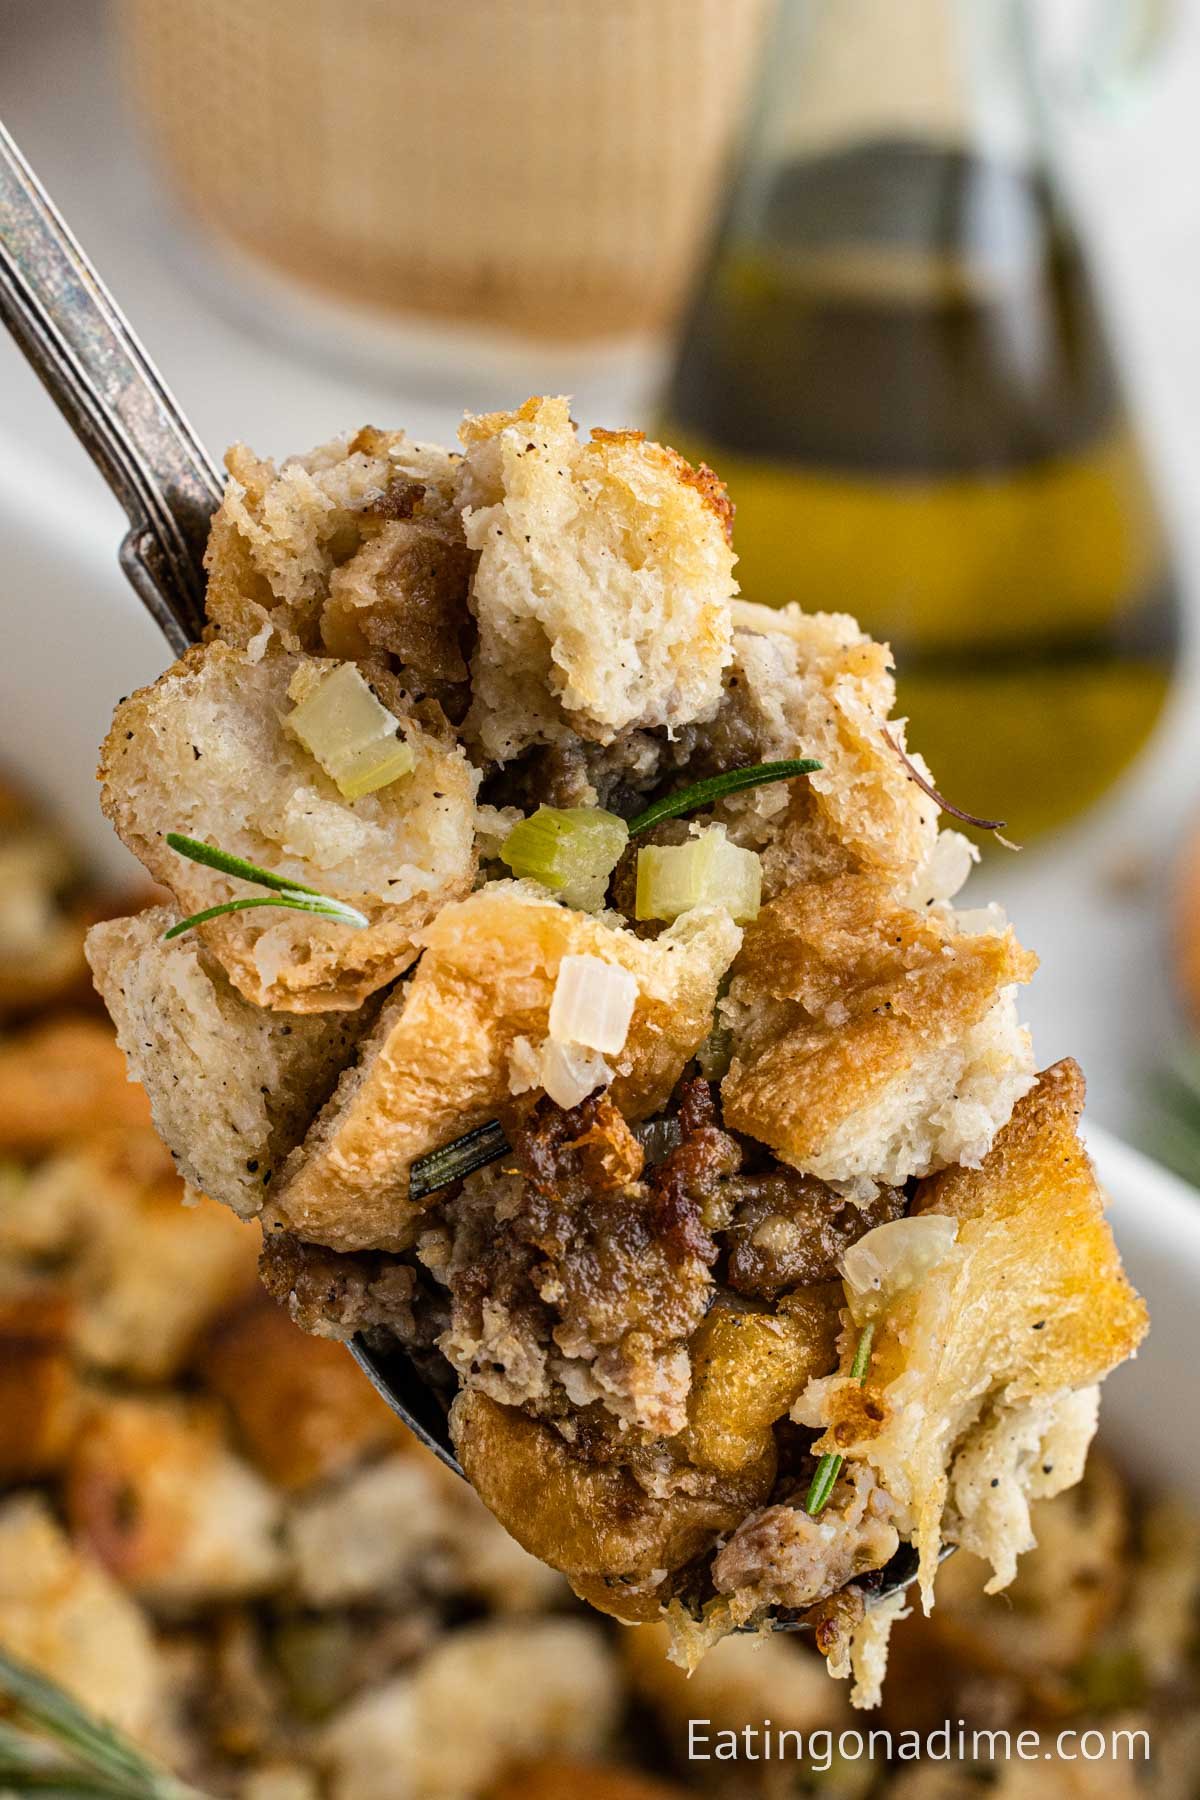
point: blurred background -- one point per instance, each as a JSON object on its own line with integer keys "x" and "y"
{"x": 919, "y": 282}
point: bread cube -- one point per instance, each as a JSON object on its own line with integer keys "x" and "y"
{"x": 603, "y": 581}
{"x": 205, "y": 752}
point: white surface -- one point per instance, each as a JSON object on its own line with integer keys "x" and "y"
{"x": 1148, "y": 1412}
{"x": 73, "y": 640}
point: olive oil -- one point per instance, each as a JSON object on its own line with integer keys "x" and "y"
{"x": 901, "y": 373}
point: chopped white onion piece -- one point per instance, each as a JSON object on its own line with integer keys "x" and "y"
{"x": 570, "y": 1072}
{"x": 593, "y": 1004}
{"x": 894, "y": 1257}
{"x": 351, "y": 733}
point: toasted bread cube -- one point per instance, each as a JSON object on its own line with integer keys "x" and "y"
{"x": 980, "y": 1392}
{"x": 205, "y": 752}
{"x": 484, "y": 1697}
{"x": 437, "y": 1064}
{"x": 63, "y": 1613}
{"x": 813, "y": 684}
{"x": 741, "y": 1681}
{"x": 61, "y": 1080}
{"x": 596, "y": 1522}
{"x": 582, "y": 1781}
{"x": 152, "y": 1274}
{"x": 302, "y": 1410}
{"x": 160, "y": 1498}
{"x": 39, "y": 1389}
{"x": 603, "y": 583}
{"x": 873, "y": 1042}
{"x": 280, "y": 535}
{"x": 233, "y": 1087}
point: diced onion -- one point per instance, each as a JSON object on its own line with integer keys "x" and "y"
{"x": 593, "y": 1004}
{"x": 572, "y": 850}
{"x": 893, "y": 1258}
{"x": 706, "y": 871}
{"x": 570, "y": 1072}
{"x": 351, "y": 734}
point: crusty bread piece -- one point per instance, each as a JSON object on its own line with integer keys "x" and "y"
{"x": 482, "y": 1699}
{"x": 63, "y": 1613}
{"x": 204, "y": 752}
{"x": 279, "y": 534}
{"x": 603, "y": 581}
{"x": 39, "y": 1386}
{"x": 813, "y": 684}
{"x": 980, "y": 1392}
{"x": 872, "y": 1042}
{"x": 160, "y": 1498}
{"x": 233, "y": 1087}
{"x": 437, "y": 1064}
{"x": 64, "y": 1078}
{"x": 302, "y": 1411}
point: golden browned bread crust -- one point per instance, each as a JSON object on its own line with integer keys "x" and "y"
{"x": 437, "y": 1063}
{"x": 992, "y": 1355}
{"x": 871, "y": 1040}
{"x": 204, "y": 752}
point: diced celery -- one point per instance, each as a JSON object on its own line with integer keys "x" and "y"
{"x": 706, "y": 871}
{"x": 351, "y": 734}
{"x": 571, "y": 850}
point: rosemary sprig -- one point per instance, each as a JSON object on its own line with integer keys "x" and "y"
{"x": 473, "y": 1151}
{"x": 50, "y": 1746}
{"x": 830, "y": 1465}
{"x": 293, "y": 894}
{"x": 705, "y": 793}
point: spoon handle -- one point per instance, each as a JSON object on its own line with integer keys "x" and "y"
{"x": 83, "y": 349}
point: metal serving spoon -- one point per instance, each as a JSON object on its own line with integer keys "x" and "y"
{"x": 121, "y": 410}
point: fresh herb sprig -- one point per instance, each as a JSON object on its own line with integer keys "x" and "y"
{"x": 51, "y": 1746}
{"x": 830, "y": 1465}
{"x": 703, "y": 794}
{"x": 466, "y": 1154}
{"x": 293, "y": 894}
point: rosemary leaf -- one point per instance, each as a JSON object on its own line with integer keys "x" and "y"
{"x": 703, "y": 794}
{"x": 328, "y": 909}
{"x": 212, "y": 858}
{"x": 98, "y": 1760}
{"x": 830, "y": 1465}
{"x": 293, "y": 894}
{"x": 473, "y": 1151}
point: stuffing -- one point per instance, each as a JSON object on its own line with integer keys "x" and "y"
{"x": 205, "y": 752}
{"x": 63, "y": 1613}
{"x": 583, "y": 1781}
{"x": 742, "y": 1681}
{"x": 144, "y": 1272}
{"x": 152, "y": 1272}
{"x": 62, "y": 1079}
{"x": 158, "y": 1496}
{"x": 437, "y": 1063}
{"x": 602, "y": 585}
{"x": 980, "y": 1372}
{"x": 233, "y": 1087}
{"x": 401, "y": 1530}
{"x": 335, "y": 1294}
{"x": 41, "y": 915}
{"x": 281, "y": 536}
{"x": 491, "y": 1696}
{"x": 782, "y": 1557}
{"x": 813, "y": 684}
{"x": 616, "y": 1523}
{"x": 39, "y": 1387}
{"x": 871, "y": 1042}
{"x": 301, "y": 1409}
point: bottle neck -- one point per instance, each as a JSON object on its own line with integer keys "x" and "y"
{"x": 955, "y": 74}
